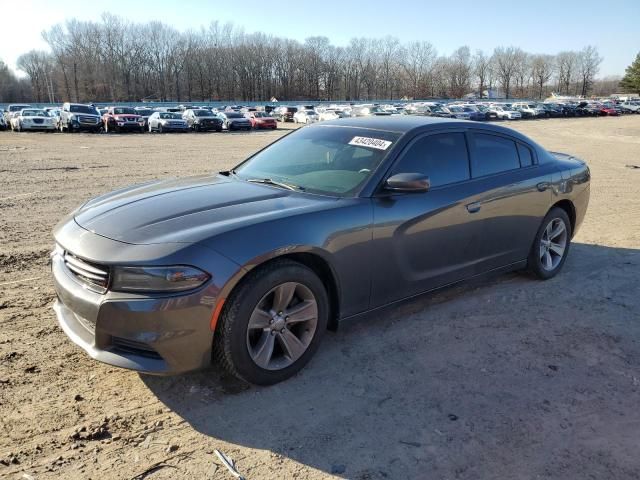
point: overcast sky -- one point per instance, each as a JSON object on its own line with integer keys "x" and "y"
{"x": 539, "y": 26}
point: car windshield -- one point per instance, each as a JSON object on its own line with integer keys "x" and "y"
{"x": 170, "y": 116}
{"x": 261, "y": 115}
{"x": 326, "y": 160}
{"x": 234, "y": 115}
{"x": 144, "y": 111}
{"x": 17, "y": 108}
{"x": 34, "y": 113}
{"x": 202, "y": 113}
{"x": 124, "y": 111}
{"x": 83, "y": 109}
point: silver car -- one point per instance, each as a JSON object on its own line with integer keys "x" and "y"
{"x": 167, "y": 122}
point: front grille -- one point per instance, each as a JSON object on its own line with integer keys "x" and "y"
{"x": 94, "y": 275}
{"x": 88, "y": 119}
{"x": 136, "y": 348}
{"x": 38, "y": 120}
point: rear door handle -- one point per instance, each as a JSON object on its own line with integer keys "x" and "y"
{"x": 473, "y": 207}
{"x": 542, "y": 186}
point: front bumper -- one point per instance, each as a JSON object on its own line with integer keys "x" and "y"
{"x": 176, "y": 128}
{"x": 128, "y": 126}
{"x": 38, "y": 126}
{"x": 239, "y": 126}
{"x": 151, "y": 333}
{"x": 209, "y": 126}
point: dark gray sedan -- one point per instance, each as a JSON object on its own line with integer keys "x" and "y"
{"x": 249, "y": 267}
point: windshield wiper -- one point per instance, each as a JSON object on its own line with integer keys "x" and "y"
{"x": 269, "y": 181}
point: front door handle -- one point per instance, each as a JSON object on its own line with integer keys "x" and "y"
{"x": 542, "y": 186}
{"x": 473, "y": 207}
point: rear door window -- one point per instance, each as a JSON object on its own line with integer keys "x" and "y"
{"x": 441, "y": 157}
{"x": 491, "y": 154}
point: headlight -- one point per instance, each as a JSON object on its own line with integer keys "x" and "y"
{"x": 157, "y": 279}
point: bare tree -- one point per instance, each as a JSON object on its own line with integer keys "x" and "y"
{"x": 506, "y": 65}
{"x": 566, "y": 66}
{"x": 481, "y": 70}
{"x": 389, "y": 52}
{"x": 418, "y": 59}
{"x": 542, "y": 67}
{"x": 459, "y": 68}
{"x": 588, "y": 65}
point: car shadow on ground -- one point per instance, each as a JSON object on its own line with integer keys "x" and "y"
{"x": 508, "y": 377}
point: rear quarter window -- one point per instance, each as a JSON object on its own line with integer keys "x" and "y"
{"x": 525, "y": 154}
{"x": 491, "y": 154}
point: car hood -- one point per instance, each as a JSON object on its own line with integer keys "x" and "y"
{"x": 190, "y": 209}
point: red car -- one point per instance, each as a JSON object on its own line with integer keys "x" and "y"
{"x": 122, "y": 119}
{"x": 262, "y": 120}
{"x": 605, "y": 110}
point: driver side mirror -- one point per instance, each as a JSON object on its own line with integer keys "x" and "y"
{"x": 407, "y": 182}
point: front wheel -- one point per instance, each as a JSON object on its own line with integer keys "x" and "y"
{"x": 551, "y": 245}
{"x": 272, "y": 324}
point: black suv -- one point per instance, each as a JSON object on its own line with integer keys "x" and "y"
{"x": 75, "y": 117}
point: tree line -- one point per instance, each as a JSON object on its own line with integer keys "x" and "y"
{"x": 118, "y": 60}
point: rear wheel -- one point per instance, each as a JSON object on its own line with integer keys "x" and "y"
{"x": 551, "y": 245}
{"x": 272, "y": 324}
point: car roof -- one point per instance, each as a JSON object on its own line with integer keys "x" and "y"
{"x": 407, "y": 123}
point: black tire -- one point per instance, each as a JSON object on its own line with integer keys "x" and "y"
{"x": 160, "y": 128}
{"x": 534, "y": 261}
{"x": 230, "y": 348}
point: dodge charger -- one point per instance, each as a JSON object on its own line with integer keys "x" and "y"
{"x": 247, "y": 268}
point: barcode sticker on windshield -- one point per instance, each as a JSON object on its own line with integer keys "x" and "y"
{"x": 370, "y": 142}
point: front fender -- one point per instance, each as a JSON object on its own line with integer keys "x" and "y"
{"x": 340, "y": 237}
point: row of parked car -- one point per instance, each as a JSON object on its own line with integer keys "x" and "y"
{"x": 72, "y": 117}
{"x": 75, "y": 117}
{"x": 478, "y": 111}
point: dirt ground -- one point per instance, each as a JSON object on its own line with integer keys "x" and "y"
{"x": 508, "y": 378}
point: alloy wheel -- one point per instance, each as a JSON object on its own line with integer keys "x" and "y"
{"x": 282, "y": 326}
{"x": 553, "y": 244}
